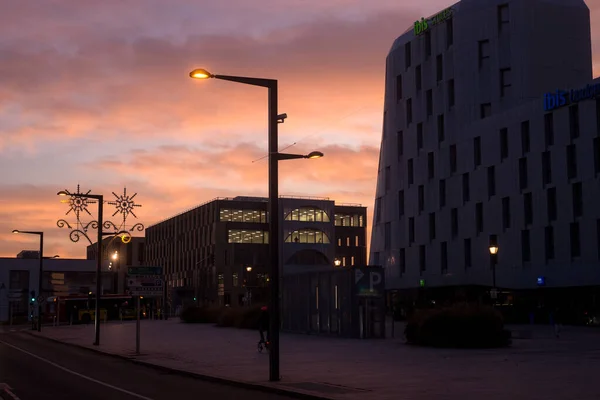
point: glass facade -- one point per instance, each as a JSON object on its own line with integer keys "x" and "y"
{"x": 231, "y": 215}
{"x": 307, "y": 214}
{"x": 248, "y": 236}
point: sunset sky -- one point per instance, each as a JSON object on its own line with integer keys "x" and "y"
{"x": 98, "y": 94}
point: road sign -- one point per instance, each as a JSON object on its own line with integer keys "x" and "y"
{"x": 358, "y": 274}
{"x": 145, "y": 285}
{"x": 145, "y": 270}
{"x": 369, "y": 281}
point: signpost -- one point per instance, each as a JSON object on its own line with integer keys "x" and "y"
{"x": 144, "y": 281}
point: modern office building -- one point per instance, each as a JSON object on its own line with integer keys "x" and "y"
{"x": 218, "y": 252}
{"x": 491, "y": 127}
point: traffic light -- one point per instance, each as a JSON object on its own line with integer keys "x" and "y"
{"x": 195, "y": 298}
{"x": 32, "y": 296}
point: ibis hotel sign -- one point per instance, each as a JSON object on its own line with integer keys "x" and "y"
{"x": 561, "y": 98}
{"x": 423, "y": 25}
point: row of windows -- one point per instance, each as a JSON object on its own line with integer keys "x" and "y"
{"x": 304, "y": 214}
{"x": 451, "y": 99}
{"x": 348, "y": 241}
{"x": 307, "y": 214}
{"x": 355, "y": 220}
{"x": 242, "y": 215}
{"x": 528, "y": 213}
{"x": 246, "y": 236}
{"x": 307, "y": 236}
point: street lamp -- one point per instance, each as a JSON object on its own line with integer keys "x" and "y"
{"x": 41, "y": 235}
{"x": 337, "y": 262}
{"x": 493, "y": 261}
{"x": 100, "y": 199}
{"x": 249, "y": 268}
{"x": 274, "y": 157}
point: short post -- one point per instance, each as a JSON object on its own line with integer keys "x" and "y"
{"x": 10, "y": 312}
{"x": 393, "y": 320}
{"x": 137, "y": 327}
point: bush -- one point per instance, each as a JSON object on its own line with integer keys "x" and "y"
{"x": 460, "y": 325}
{"x": 202, "y": 315}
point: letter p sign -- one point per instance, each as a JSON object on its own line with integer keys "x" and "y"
{"x": 374, "y": 280}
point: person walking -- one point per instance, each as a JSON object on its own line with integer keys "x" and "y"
{"x": 263, "y": 324}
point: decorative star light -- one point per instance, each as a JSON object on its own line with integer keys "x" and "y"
{"x": 124, "y": 204}
{"x": 78, "y": 203}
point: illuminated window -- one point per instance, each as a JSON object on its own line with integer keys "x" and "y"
{"x": 307, "y": 214}
{"x": 348, "y": 241}
{"x": 242, "y": 215}
{"x": 352, "y": 260}
{"x": 248, "y": 236}
{"x": 349, "y": 220}
{"x": 307, "y": 236}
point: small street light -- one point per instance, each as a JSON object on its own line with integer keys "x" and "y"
{"x": 337, "y": 262}
{"x": 249, "y": 268}
{"x": 493, "y": 261}
{"x": 41, "y": 271}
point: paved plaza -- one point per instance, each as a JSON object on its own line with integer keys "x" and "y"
{"x": 542, "y": 367}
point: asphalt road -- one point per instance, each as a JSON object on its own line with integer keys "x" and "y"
{"x": 37, "y": 369}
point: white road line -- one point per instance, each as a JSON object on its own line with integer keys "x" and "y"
{"x": 139, "y": 396}
{"x": 8, "y": 390}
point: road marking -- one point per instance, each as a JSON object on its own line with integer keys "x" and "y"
{"x": 8, "y": 390}
{"x": 139, "y": 396}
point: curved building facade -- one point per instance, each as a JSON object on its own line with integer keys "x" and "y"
{"x": 491, "y": 130}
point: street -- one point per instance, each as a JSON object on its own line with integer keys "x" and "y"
{"x": 37, "y": 369}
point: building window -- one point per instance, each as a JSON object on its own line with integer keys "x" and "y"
{"x": 440, "y": 128}
{"x": 571, "y": 161}
{"x": 528, "y": 208}
{"x": 419, "y": 136}
{"x": 549, "y": 129}
{"x": 442, "y": 193}
{"x": 432, "y": 226}
{"x": 598, "y": 236}
{"x": 388, "y": 236}
{"x": 503, "y": 18}
{"x": 430, "y": 165}
{"x": 401, "y": 203}
{"x": 356, "y": 241}
{"x": 418, "y": 78}
{"x": 574, "y": 121}
{"x": 388, "y": 178}
{"x": 449, "y": 33}
{"x": 247, "y": 236}
{"x": 307, "y": 235}
{"x": 398, "y": 88}
{"x": 402, "y": 261}
{"x": 407, "y": 55}
{"x": 546, "y": 168}
{"x": 421, "y": 195}
{"x": 597, "y": 155}
{"x": 551, "y": 204}
{"x": 467, "y": 249}
{"x": 479, "y": 218}
{"x": 525, "y": 246}
{"x": 343, "y": 261}
{"x": 549, "y": 241}
{"x": 491, "y": 178}
{"x": 409, "y": 170}
{"x": 486, "y": 110}
{"x": 348, "y": 240}
{"x": 525, "y": 140}
{"x": 400, "y": 144}
{"x": 408, "y": 111}
{"x": 378, "y": 209}
{"x": 575, "y": 243}
{"x": 454, "y": 222}
{"x": 465, "y": 187}
{"x": 523, "y": 173}
{"x": 453, "y": 158}
{"x": 444, "y": 257}
{"x": 352, "y": 260}
{"x": 477, "y": 151}
{"x": 506, "y": 213}
{"x": 503, "y": 143}
{"x": 484, "y": 53}
{"x": 577, "y": 194}
{"x": 422, "y": 260}
{"x": 411, "y": 230}
{"x": 427, "y": 44}
{"x": 429, "y": 103}
{"x": 451, "y": 95}
{"x": 307, "y": 214}
{"x": 439, "y": 62}
{"x": 505, "y": 81}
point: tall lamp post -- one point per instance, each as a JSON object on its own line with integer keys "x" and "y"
{"x": 274, "y": 157}
{"x": 117, "y": 270}
{"x": 100, "y": 199}
{"x": 41, "y": 235}
{"x": 493, "y": 262}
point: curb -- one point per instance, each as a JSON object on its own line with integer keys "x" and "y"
{"x": 194, "y": 375}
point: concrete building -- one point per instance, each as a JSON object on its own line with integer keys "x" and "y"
{"x": 477, "y": 142}
{"x": 217, "y": 252}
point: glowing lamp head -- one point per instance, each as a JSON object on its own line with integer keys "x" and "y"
{"x": 337, "y": 262}
{"x": 493, "y": 250}
{"x": 62, "y": 193}
{"x": 249, "y": 268}
{"x": 314, "y": 154}
{"x": 15, "y": 231}
{"x": 200, "y": 73}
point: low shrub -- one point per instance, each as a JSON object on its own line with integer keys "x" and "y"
{"x": 202, "y": 315}
{"x": 460, "y": 325}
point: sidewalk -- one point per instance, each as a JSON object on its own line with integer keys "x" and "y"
{"x": 541, "y": 368}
